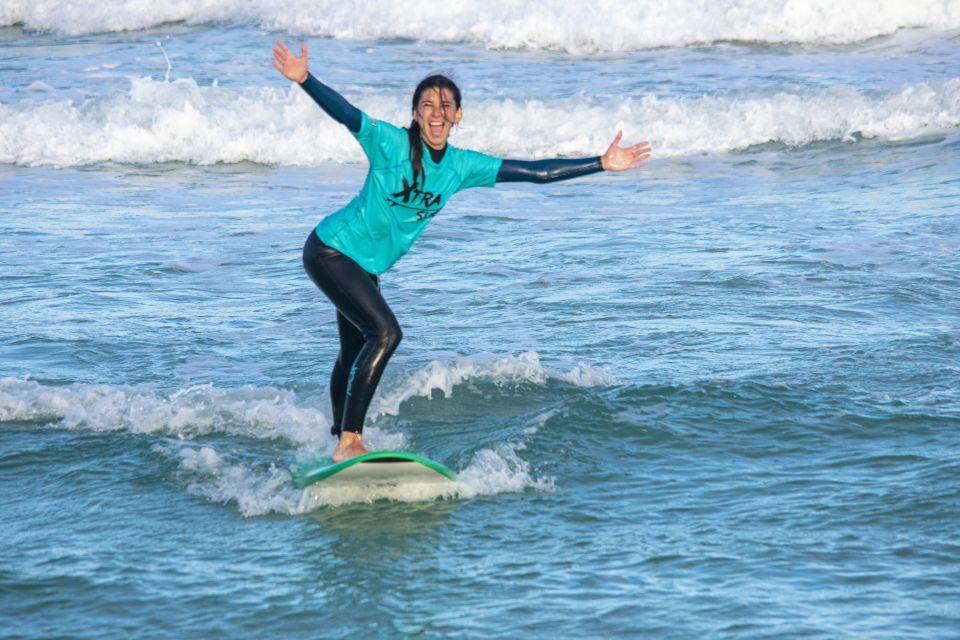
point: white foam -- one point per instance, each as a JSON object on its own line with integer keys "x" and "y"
{"x": 268, "y": 413}
{"x": 443, "y": 377}
{"x": 710, "y": 125}
{"x": 262, "y": 489}
{"x": 182, "y": 121}
{"x": 500, "y": 470}
{"x": 258, "y": 412}
{"x": 216, "y": 478}
{"x": 268, "y": 489}
{"x": 601, "y": 25}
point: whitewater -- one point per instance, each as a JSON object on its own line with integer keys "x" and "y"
{"x": 182, "y": 121}
{"x": 605, "y": 25}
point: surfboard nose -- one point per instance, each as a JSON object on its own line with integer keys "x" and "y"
{"x": 375, "y": 468}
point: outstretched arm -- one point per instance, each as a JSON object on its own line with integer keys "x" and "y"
{"x": 294, "y": 68}
{"x": 333, "y": 103}
{"x": 541, "y": 171}
{"x": 616, "y": 158}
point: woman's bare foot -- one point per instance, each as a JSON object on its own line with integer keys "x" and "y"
{"x": 351, "y": 446}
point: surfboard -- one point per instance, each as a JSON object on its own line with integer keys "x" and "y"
{"x": 378, "y": 468}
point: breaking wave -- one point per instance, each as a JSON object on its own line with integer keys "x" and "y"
{"x": 182, "y": 121}
{"x": 603, "y": 25}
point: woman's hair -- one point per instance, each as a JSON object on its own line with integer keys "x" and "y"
{"x": 440, "y": 83}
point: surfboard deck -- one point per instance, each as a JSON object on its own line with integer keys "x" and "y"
{"x": 392, "y": 468}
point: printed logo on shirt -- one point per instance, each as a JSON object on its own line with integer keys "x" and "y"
{"x": 424, "y": 203}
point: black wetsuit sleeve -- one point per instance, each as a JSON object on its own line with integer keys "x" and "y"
{"x": 541, "y": 171}
{"x": 333, "y": 103}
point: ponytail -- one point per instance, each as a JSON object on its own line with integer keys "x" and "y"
{"x": 416, "y": 149}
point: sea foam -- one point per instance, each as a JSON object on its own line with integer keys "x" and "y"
{"x": 445, "y": 376}
{"x": 257, "y": 488}
{"x": 215, "y": 477}
{"x": 262, "y": 488}
{"x": 182, "y": 121}
{"x": 260, "y": 412}
{"x": 602, "y": 25}
{"x": 257, "y": 412}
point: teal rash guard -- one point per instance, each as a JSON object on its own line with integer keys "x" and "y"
{"x": 391, "y": 211}
{"x": 393, "y": 208}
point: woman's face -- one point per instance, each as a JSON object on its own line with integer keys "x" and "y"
{"x": 436, "y": 113}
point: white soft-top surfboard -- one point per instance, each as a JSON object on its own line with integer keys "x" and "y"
{"x": 376, "y": 468}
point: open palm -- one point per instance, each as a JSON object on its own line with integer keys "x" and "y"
{"x": 617, "y": 158}
{"x": 292, "y": 67}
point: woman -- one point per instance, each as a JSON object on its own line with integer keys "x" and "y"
{"x": 403, "y": 190}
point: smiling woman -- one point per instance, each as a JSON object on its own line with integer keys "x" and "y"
{"x": 403, "y": 191}
{"x": 436, "y": 108}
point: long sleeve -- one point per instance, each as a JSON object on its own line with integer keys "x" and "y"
{"x": 541, "y": 171}
{"x": 333, "y": 103}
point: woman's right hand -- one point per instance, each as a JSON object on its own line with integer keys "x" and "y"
{"x": 292, "y": 67}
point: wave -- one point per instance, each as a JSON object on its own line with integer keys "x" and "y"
{"x": 181, "y": 121}
{"x": 260, "y": 489}
{"x": 500, "y": 468}
{"x": 258, "y": 412}
{"x": 214, "y": 477}
{"x": 605, "y": 25}
{"x": 526, "y": 367}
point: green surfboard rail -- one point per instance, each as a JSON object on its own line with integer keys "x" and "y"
{"x": 306, "y": 475}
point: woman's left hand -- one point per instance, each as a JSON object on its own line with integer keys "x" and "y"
{"x": 619, "y": 158}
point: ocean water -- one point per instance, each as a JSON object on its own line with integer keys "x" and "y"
{"x": 714, "y": 397}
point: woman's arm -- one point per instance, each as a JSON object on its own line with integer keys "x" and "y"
{"x": 616, "y": 158}
{"x": 294, "y": 68}
{"x": 333, "y": 103}
{"x": 542, "y": 171}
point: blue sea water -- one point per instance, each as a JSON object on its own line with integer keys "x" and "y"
{"x": 714, "y": 397}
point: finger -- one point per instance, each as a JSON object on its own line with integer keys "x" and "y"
{"x": 641, "y": 145}
{"x": 303, "y": 50}
{"x": 278, "y": 57}
{"x": 283, "y": 48}
{"x": 617, "y": 138}
{"x": 276, "y": 66}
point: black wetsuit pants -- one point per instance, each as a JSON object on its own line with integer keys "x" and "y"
{"x": 369, "y": 333}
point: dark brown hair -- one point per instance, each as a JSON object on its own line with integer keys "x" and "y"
{"x": 439, "y": 83}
